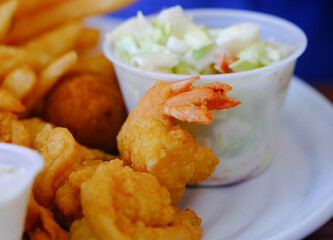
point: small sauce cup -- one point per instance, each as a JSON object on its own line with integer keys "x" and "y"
{"x": 18, "y": 169}
{"x": 244, "y": 137}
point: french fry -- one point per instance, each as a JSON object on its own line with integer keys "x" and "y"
{"x": 51, "y": 74}
{"x": 27, "y": 27}
{"x": 41, "y": 50}
{"x": 88, "y": 39}
{"x": 95, "y": 64}
{"x": 48, "y": 77}
{"x": 9, "y": 102}
{"x": 55, "y": 42}
{"x": 20, "y": 82}
{"x": 27, "y": 7}
{"x": 7, "y": 10}
{"x": 13, "y": 57}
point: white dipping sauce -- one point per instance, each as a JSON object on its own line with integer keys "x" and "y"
{"x": 8, "y": 172}
{"x": 18, "y": 168}
{"x": 13, "y": 201}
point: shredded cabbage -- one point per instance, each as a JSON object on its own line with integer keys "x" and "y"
{"x": 198, "y": 53}
{"x": 237, "y": 37}
{"x": 155, "y": 61}
{"x": 259, "y": 54}
{"x": 172, "y": 42}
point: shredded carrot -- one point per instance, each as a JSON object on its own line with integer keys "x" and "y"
{"x": 223, "y": 61}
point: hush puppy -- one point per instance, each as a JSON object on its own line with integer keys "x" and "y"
{"x": 90, "y": 106}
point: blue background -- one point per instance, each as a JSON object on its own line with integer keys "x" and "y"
{"x": 314, "y": 17}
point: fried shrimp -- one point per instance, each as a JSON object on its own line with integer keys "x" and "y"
{"x": 119, "y": 203}
{"x": 67, "y": 165}
{"x": 186, "y": 225}
{"x": 150, "y": 142}
{"x": 60, "y": 152}
{"x": 40, "y": 224}
{"x": 68, "y": 196}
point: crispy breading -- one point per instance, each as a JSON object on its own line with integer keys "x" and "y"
{"x": 40, "y": 224}
{"x": 80, "y": 230}
{"x": 12, "y": 130}
{"x": 119, "y": 203}
{"x": 149, "y": 140}
{"x": 91, "y": 107}
{"x": 68, "y": 196}
{"x": 185, "y": 225}
{"x": 60, "y": 152}
{"x": 34, "y": 126}
{"x": 170, "y": 153}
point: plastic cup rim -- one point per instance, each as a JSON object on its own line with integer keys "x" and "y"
{"x": 33, "y": 157}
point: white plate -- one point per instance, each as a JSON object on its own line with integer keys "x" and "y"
{"x": 294, "y": 196}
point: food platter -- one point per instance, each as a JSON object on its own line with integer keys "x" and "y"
{"x": 288, "y": 201}
{"x": 294, "y": 196}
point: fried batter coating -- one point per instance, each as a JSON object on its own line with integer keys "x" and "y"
{"x": 92, "y": 155}
{"x": 80, "y": 230}
{"x": 91, "y": 107}
{"x": 68, "y": 196}
{"x": 63, "y": 156}
{"x": 67, "y": 165}
{"x": 34, "y": 126}
{"x": 185, "y": 226}
{"x": 119, "y": 203}
{"x": 60, "y": 152}
{"x": 171, "y": 154}
{"x": 138, "y": 195}
{"x": 40, "y": 224}
{"x": 12, "y": 131}
{"x": 149, "y": 140}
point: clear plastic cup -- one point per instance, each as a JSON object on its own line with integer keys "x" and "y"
{"x": 243, "y": 138}
{"x": 18, "y": 169}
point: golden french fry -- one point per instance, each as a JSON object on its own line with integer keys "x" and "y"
{"x": 51, "y": 74}
{"x": 26, "y": 7}
{"x": 13, "y": 57}
{"x": 20, "y": 82}
{"x": 95, "y": 64}
{"x": 55, "y": 42}
{"x": 25, "y": 28}
{"x": 7, "y": 10}
{"x": 9, "y": 102}
{"x": 48, "y": 77}
{"x": 88, "y": 39}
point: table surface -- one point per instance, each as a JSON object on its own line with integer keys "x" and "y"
{"x": 326, "y": 231}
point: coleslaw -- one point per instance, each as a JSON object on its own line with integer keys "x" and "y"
{"x": 172, "y": 43}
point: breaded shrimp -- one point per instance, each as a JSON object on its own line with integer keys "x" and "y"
{"x": 67, "y": 164}
{"x": 150, "y": 142}
{"x": 40, "y": 224}
{"x": 67, "y": 197}
{"x": 119, "y": 203}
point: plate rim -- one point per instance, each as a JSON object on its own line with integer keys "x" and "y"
{"x": 323, "y": 214}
